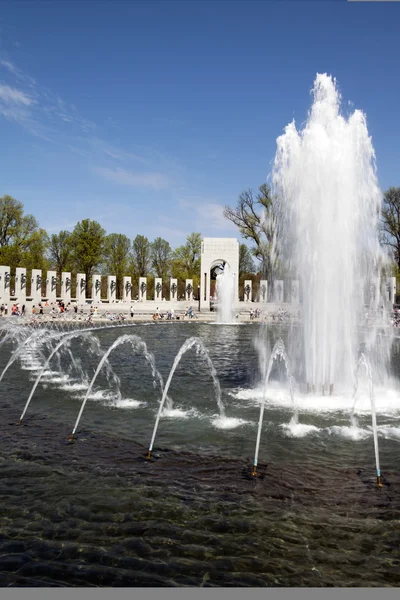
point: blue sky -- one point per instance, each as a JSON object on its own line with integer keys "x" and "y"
{"x": 151, "y": 116}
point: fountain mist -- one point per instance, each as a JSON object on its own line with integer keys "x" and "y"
{"x": 325, "y": 178}
{"x": 225, "y": 289}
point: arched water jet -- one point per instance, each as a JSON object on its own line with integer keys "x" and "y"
{"x": 189, "y": 343}
{"x": 67, "y": 337}
{"x": 11, "y": 333}
{"x": 137, "y": 343}
{"x": 364, "y": 362}
{"x": 18, "y": 351}
{"x": 278, "y": 351}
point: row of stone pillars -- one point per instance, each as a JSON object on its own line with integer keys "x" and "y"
{"x": 278, "y": 289}
{"x": 79, "y": 294}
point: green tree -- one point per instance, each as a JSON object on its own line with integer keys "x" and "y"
{"x": 256, "y": 217}
{"x": 22, "y": 242}
{"x": 390, "y": 223}
{"x": 60, "y": 251}
{"x": 141, "y": 255}
{"x": 246, "y": 264}
{"x": 186, "y": 259}
{"x": 161, "y": 257}
{"x": 117, "y": 256}
{"x": 88, "y": 241}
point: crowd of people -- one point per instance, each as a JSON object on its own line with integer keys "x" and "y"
{"x": 170, "y": 315}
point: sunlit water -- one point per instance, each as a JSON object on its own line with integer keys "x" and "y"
{"x": 96, "y": 512}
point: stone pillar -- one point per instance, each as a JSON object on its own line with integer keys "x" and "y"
{"x": 173, "y": 289}
{"x": 373, "y": 293}
{"x": 278, "y": 291}
{"x": 263, "y": 291}
{"x": 157, "y": 289}
{"x": 66, "y": 287}
{"x": 36, "y": 286}
{"x": 51, "y": 286}
{"x": 111, "y": 288}
{"x": 127, "y": 289}
{"x": 96, "y": 289}
{"x": 5, "y": 280}
{"x": 294, "y": 292}
{"x": 248, "y": 290}
{"x": 20, "y": 284}
{"x": 143, "y": 288}
{"x": 81, "y": 288}
{"x": 189, "y": 290}
{"x": 391, "y": 289}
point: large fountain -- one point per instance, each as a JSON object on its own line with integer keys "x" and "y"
{"x": 325, "y": 178}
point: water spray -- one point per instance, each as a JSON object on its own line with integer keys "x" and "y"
{"x": 137, "y": 344}
{"x": 363, "y": 361}
{"x": 278, "y": 351}
{"x": 67, "y": 337}
{"x": 189, "y": 343}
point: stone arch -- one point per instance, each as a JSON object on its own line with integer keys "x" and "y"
{"x": 216, "y": 251}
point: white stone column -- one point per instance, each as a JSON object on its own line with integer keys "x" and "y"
{"x": 205, "y": 290}
{"x": 5, "y": 282}
{"x": 173, "y": 289}
{"x": 263, "y": 291}
{"x": 51, "y": 286}
{"x": 278, "y": 291}
{"x": 294, "y": 291}
{"x": 189, "y": 290}
{"x": 66, "y": 287}
{"x": 157, "y": 289}
{"x": 248, "y": 290}
{"x": 81, "y": 288}
{"x": 143, "y": 288}
{"x": 20, "y": 284}
{"x": 96, "y": 289}
{"x": 391, "y": 289}
{"x": 36, "y": 286}
{"x": 127, "y": 289}
{"x": 111, "y": 288}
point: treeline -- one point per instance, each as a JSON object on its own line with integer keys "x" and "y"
{"x": 89, "y": 249}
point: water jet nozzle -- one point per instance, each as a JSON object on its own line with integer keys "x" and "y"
{"x": 379, "y": 482}
{"x": 71, "y": 437}
{"x": 19, "y": 422}
{"x": 148, "y": 456}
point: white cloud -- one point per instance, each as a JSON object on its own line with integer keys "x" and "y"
{"x": 11, "y": 95}
{"x": 10, "y": 66}
{"x": 211, "y": 214}
{"x": 47, "y": 116}
{"x": 154, "y": 180}
{"x": 7, "y": 64}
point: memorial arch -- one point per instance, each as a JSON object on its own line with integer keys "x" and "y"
{"x": 216, "y": 253}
